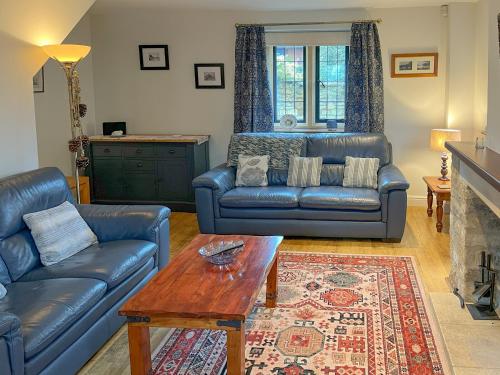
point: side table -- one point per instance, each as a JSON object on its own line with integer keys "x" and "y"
{"x": 441, "y": 196}
{"x": 84, "y": 188}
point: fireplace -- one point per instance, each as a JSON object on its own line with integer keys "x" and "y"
{"x": 474, "y": 217}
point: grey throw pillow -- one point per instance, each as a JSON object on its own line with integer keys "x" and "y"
{"x": 252, "y": 170}
{"x": 361, "y": 172}
{"x": 59, "y": 233}
{"x": 3, "y": 291}
{"x": 304, "y": 172}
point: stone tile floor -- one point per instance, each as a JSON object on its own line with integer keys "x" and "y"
{"x": 473, "y": 346}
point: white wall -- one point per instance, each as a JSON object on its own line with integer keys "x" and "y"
{"x": 167, "y": 102}
{"x": 24, "y": 25}
{"x": 493, "y": 127}
{"x": 52, "y": 110}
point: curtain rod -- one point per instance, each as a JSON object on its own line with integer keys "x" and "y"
{"x": 378, "y": 20}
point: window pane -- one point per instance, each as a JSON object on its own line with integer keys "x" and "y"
{"x": 330, "y": 90}
{"x": 289, "y": 79}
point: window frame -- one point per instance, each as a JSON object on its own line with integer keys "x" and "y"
{"x": 304, "y": 83}
{"x": 317, "y": 81}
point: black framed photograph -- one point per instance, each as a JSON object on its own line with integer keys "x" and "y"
{"x": 38, "y": 81}
{"x": 154, "y": 57}
{"x": 209, "y": 76}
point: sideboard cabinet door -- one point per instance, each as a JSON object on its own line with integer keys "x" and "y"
{"x": 108, "y": 179}
{"x": 173, "y": 180}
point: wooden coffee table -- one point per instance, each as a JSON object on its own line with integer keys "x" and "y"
{"x": 191, "y": 293}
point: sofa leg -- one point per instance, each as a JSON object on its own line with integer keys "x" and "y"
{"x": 391, "y": 240}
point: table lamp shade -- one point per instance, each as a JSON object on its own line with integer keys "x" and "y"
{"x": 440, "y": 136}
{"x": 66, "y": 53}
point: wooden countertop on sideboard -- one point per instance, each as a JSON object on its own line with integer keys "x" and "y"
{"x": 153, "y": 138}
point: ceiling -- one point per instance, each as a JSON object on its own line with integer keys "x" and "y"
{"x": 270, "y": 4}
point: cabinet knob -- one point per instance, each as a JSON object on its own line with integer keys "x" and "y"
{"x": 139, "y": 164}
{"x": 171, "y": 151}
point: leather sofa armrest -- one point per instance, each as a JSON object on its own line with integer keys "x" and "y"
{"x": 391, "y": 178}
{"x": 130, "y": 222}
{"x": 11, "y": 345}
{"x": 219, "y": 178}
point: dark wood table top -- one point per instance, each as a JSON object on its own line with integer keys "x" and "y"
{"x": 485, "y": 162}
{"x": 190, "y": 287}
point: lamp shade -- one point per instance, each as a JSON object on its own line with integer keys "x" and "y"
{"x": 66, "y": 53}
{"x": 440, "y": 136}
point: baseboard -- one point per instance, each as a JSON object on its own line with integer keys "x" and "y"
{"x": 417, "y": 200}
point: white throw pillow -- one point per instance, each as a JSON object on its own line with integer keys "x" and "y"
{"x": 252, "y": 170}
{"x": 361, "y": 172}
{"x": 59, "y": 233}
{"x": 3, "y": 291}
{"x": 304, "y": 172}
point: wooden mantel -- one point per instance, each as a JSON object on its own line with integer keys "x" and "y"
{"x": 485, "y": 162}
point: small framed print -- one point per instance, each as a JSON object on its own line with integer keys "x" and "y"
{"x": 209, "y": 76}
{"x": 407, "y": 65}
{"x": 38, "y": 81}
{"x": 154, "y": 57}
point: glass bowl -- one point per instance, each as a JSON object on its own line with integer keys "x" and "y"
{"x": 219, "y": 259}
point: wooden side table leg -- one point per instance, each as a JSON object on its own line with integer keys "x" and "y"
{"x": 140, "y": 350}
{"x": 439, "y": 215}
{"x": 236, "y": 351}
{"x": 429, "y": 202}
{"x": 272, "y": 285}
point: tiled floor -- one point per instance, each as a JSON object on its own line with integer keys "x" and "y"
{"x": 473, "y": 345}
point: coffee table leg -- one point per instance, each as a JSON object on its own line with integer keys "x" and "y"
{"x": 140, "y": 351}
{"x": 272, "y": 285}
{"x": 236, "y": 351}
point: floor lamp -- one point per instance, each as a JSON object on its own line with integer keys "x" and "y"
{"x": 68, "y": 56}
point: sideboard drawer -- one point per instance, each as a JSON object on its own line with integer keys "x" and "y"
{"x": 172, "y": 151}
{"x": 107, "y": 150}
{"x": 139, "y": 165}
{"x": 139, "y": 150}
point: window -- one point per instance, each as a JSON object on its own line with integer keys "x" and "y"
{"x": 314, "y": 92}
{"x": 289, "y": 82}
{"x": 331, "y": 71}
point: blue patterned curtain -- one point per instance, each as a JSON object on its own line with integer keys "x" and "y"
{"x": 365, "y": 86}
{"x": 253, "y": 107}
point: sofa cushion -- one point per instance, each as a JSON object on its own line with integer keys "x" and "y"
{"x": 340, "y": 198}
{"x": 270, "y": 196}
{"x": 19, "y": 254}
{"x": 111, "y": 262}
{"x": 30, "y": 192}
{"x": 335, "y": 147}
{"x": 47, "y": 308}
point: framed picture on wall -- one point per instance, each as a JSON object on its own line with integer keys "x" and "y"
{"x": 38, "y": 81}
{"x": 408, "y": 65}
{"x": 154, "y": 57}
{"x": 209, "y": 76}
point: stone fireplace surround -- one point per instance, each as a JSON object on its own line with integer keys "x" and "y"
{"x": 474, "y": 220}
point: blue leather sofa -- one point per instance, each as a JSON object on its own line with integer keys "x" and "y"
{"x": 54, "y": 319}
{"x": 326, "y": 211}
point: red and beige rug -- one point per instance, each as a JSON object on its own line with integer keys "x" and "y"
{"x": 336, "y": 315}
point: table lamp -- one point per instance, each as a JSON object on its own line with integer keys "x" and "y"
{"x": 68, "y": 56}
{"x": 437, "y": 141}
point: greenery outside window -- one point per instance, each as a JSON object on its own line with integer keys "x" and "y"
{"x": 309, "y": 82}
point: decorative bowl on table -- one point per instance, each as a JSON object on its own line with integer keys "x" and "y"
{"x": 214, "y": 252}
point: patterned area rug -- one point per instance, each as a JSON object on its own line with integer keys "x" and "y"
{"x": 336, "y": 315}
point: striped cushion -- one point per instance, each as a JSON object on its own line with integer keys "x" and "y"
{"x": 3, "y": 291}
{"x": 59, "y": 233}
{"x": 361, "y": 172}
{"x": 304, "y": 172}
